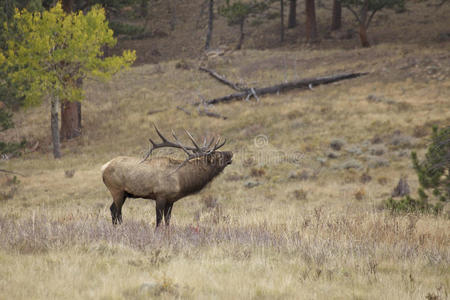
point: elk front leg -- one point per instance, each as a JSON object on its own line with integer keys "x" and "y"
{"x": 168, "y": 213}
{"x": 160, "y": 205}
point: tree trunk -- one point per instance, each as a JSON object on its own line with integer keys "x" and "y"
{"x": 70, "y": 111}
{"x": 241, "y": 36}
{"x": 172, "y": 8}
{"x": 54, "y": 127}
{"x": 363, "y": 24}
{"x": 144, "y": 8}
{"x": 71, "y": 116}
{"x": 363, "y": 36}
{"x": 337, "y": 15}
{"x": 70, "y": 119}
{"x": 67, "y": 5}
{"x": 292, "y": 22}
{"x": 210, "y": 24}
{"x": 311, "y": 25}
{"x": 282, "y": 20}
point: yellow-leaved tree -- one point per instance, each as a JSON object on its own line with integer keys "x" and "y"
{"x": 48, "y": 52}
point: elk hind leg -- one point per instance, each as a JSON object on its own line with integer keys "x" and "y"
{"x": 160, "y": 207}
{"x": 168, "y": 213}
{"x": 116, "y": 207}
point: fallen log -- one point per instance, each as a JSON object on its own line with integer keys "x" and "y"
{"x": 283, "y": 87}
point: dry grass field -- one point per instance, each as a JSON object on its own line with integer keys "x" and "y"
{"x": 291, "y": 218}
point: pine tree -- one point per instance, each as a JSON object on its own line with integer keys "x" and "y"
{"x": 238, "y": 12}
{"x": 434, "y": 171}
{"x": 434, "y": 177}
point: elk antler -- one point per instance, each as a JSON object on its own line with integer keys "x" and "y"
{"x": 165, "y": 143}
{"x": 192, "y": 152}
{"x": 217, "y": 145}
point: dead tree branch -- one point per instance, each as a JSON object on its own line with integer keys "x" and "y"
{"x": 155, "y": 111}
{"x": 211, "y": 114}
{"x": 12, "y": 172}
{"x": 203, "y": 112}
{"x": 283, "y": 87}
{"x": 222, "y": 79}
{"x": 184, "y": 110}
{"x": 206, "y": 112}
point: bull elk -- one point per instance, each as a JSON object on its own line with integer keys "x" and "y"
{"x": 164, "y": 179}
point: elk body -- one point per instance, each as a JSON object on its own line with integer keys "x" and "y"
{"x": 163, "y": 179}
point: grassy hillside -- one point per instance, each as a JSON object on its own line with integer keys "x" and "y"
{"x": 290, "y": 218}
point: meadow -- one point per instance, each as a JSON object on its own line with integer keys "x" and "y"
{"x": 298, "y": 215}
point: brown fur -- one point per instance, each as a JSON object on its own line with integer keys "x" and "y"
{"x": 158, "y": 179}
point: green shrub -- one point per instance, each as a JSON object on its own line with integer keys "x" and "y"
{"x": 411, "y": 205}
{"x": 12, "y": 149}
{"x": 434, "y": 178}
{"x": 5, "y": 119}
{"x": 126, "y": 29}
{"x": 9, "y": 188}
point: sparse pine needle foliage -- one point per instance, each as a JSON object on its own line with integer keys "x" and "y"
{"x": 237, "y": 12}
{"x": 433, "y": 175}
{"x": 433, "y": 171}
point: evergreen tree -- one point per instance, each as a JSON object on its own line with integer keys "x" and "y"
{"x": 434, "y": 177}
{"x": 237, "y": 13}
{"x": 434, "y": 171}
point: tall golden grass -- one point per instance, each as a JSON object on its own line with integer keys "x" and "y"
{"x": 284, "y": 221}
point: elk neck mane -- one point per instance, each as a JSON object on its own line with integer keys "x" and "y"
{"x": 196, "y": 174}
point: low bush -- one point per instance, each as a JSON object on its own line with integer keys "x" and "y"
{"x": 434, "y": 178}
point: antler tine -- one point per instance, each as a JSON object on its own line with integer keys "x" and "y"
{"x": 218, "y": 147}
{"x": 148, "y": 153}
{"x": 217, "y": 143}
{"x": 160, "y": 134}
{"x": 182, "y": 147}
{"x": 210, "y": 143}
{"x": 153, "y": 147}
{"x": 212, "y": 149}
{"x": 204, "y": 142}
{"x": 166, "y": 143}
{"x": 193, "y": 141}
